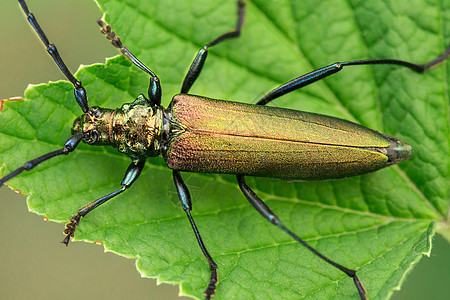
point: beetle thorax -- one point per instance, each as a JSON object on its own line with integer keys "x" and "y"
{"x": 134, "y": 129}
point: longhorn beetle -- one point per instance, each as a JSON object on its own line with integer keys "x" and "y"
{"x": 195, "y": 134}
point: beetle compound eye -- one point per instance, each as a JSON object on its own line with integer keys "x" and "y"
{"x": 92, "y": 137}
{"x": 98, "y": 114}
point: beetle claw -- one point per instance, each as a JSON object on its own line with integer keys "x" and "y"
{"x": 70, "y": 229}
{"x": 211, "y": 288}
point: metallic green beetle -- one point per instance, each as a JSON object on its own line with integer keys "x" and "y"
{"x": 198, "y": 134}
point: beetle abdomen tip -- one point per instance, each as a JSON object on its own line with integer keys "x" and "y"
{"x": 398, "y": 151}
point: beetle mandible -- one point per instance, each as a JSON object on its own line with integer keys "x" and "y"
{"x": 189, "y": 141}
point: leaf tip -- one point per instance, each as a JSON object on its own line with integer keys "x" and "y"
{"x": 9, "y": 99}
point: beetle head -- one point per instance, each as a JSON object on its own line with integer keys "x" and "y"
{"x": 95, "y": 125}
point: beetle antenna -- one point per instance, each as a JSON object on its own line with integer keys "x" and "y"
{"x": 79, "y": 91}
{"x": 69, "y": 146}
{"x": 154, "y": 89}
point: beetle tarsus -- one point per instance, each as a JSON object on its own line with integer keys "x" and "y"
{"x": 211, "y": 288}
{"x": 359, "y": 286}
{"x": 110, "y": 34}
{"x": 362, "y": 291}
{"x": 70, "y": 228}
{"x": 437, "y": 60}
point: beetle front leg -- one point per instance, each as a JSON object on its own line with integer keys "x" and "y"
{"x": 265, "y": 211}
{"x": 69, "y": 147}
{"x": 132, "y": 173}
{"x": 185, "y": 198}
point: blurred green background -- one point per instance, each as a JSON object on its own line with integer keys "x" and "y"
{"x": 33, "y": 264}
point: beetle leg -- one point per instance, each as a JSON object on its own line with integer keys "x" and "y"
{"x": 79, "y": 91}
{"x": 318, "y": 74}
{"x": 197, "y": 65}
{"x": 69, "y": 146}
{"x": 154, "y": 89}
{"x": 185, "y": 198}
{"x": 132, "y": 173}
{"x": 265, "y": 211}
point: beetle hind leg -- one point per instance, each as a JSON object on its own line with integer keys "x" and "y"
{"x": 265, "y": 211}
{"x": 326, "y": 71}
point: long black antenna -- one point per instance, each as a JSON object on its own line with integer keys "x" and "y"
{"x": 79, "y": 91}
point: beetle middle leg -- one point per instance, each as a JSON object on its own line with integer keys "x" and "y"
{"x": 197, "y": 65}
{"x": 182, "y": 190}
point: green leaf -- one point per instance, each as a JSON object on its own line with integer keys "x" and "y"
{"x": 380, "y": 223}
